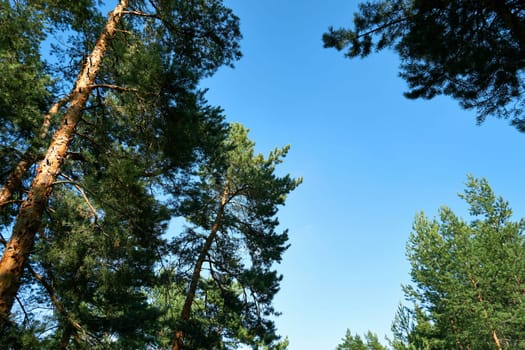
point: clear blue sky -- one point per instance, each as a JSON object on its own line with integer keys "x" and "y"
{"x": 370, "y": 160}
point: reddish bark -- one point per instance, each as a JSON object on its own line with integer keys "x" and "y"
{"x": 14, "y": 180}
{"x": 29, "y": 218}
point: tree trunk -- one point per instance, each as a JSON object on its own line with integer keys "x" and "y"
{"x": 190, "y": 296}
{"x": 29, "y": 217}
{"x": 14, "y": 180}
{"x": 493, "y": 332}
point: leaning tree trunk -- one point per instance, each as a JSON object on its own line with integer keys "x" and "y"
{"x": 185, "y": 314}
{"x": 29, "y": 217}
{"x": 14, "y": 180}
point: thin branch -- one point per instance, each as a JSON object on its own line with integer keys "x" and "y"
{"x": 90, "y": 140}
{"x": 167, "y": 23}
{"x": 124, "y": 31}
{"x": 113, "y": 87}
{"x": 256, "y": 302}
{"x": 381, "y": 27}
{"x": 86, "y": 199}
{"x": 26, "y": 316}
{"x": 11, "y": 202}
{"x": 140, "y": 14}
{"x": 82, "y": 193}
{"x": 89, "y": 123}
{"x": 58, "y": 305}
{"x": 215, "y": 277}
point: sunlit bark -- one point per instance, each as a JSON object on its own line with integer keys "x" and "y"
{"x": 29, "y": 218}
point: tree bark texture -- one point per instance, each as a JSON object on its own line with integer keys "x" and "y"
{"x": 29, "y": 218}
{"x": 14, "y": 180}
{"x": 185, "y": 314}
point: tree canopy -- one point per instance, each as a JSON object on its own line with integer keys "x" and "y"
{"x": 104, "y": 138}
{"x": 227, "y": 252}
{"x": 467, "y": 279}
{"x": 356, "y": 342}
{"x": 473, "y": 51}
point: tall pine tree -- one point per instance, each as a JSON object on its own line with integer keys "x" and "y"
{"x": 227, "y": 253}
{"x": 89, "y": 141}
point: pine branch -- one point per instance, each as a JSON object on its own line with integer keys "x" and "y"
{"x": 14, "y": 181}
{"x": 383, "y": 26}
{"x": 51, "y": 292}
{"x": 82, "y": 193}
{"x": 140, "y": 14}
{"x": 113, "y": 87}
{"x": 58, "y": 305}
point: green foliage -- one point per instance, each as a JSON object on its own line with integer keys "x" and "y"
{"x": 355, "y": 342}
{"x": 467, "y": 280}
{"x": 467, "y": 276}
{"x": 232, "y": 231}
{"x": 144, "y": 130}
{"x": 24, "y": 84}
{"x": 148, "y": 147}
{"x": 413, "y": 330}
{"x": 470, "y": 50}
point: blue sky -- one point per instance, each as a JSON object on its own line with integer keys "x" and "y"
{"x": 370, "y": 160}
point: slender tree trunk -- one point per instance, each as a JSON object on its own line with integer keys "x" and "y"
{"x": 190, "y": 296}
{"x": 14, "y": 180}
{"x": 496, "y": 340}
{"x": 29, "y": 218}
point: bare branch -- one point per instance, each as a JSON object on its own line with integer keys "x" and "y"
{"x": 140, "y": 14}
{"x": 113, "y": 87}
{"x": 82, "y": 193}
{"x": 124, "y": 31}
{"x": 383, "y": 26}
{"x": 26, "y": 316}
{"x": 10, "y": 202}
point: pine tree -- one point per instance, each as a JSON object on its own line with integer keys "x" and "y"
{"x": 90, "y": 142}
{"x": 473, "y": 51}
{"x": 468, "y": 277}
{"x": 227, "y": 253}
{"x": 356, "y": 342}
